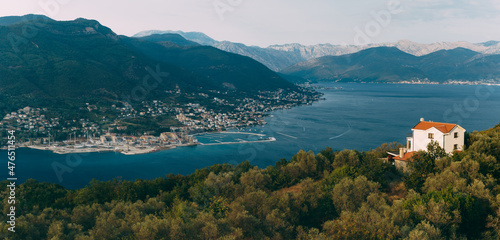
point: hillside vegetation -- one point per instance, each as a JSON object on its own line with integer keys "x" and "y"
{"x": 329, "y": 195}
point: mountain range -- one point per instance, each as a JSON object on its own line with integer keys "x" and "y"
{"x": 73, "y": 61}
{"x": 390, "y": 64}
{"x": 279, "y": 57}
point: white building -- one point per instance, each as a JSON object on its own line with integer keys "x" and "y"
{"x": 451, "y": 137}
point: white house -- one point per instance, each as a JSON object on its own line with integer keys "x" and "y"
{"x": 451, "y": 137}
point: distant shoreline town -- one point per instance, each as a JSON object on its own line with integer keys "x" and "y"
{"x": 37, "y": 130}
{"x": 452, "y": 82}
{"x": 415, "y": 82}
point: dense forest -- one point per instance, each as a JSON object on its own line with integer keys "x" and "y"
{"x": 329, "y": 195}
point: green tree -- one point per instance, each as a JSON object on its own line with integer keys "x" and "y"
{"x": 421, "y": 165}
{"x": 349, "y": 194}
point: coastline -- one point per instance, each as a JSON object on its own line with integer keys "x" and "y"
{"x": 125, "y": 150}
{"x": 463, "y": 83}
{"x": 134, "y": 150}
{"x": 458, "y": 83}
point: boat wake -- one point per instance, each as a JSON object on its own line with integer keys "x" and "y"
{"x": 346, "y": 132}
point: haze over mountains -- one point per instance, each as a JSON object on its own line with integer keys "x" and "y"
{"x": 389, "y": 64}
{"x": 279, "y": 57}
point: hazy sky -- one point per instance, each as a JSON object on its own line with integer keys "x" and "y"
{"x": 266, "y": 22}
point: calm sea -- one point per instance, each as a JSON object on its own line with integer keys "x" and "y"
{"x": 358, "y": 116}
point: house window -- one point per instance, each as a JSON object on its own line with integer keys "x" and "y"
{"x": 455, "y": 147}
{"x": 456, "y": 135}
{"x": 409, "y": 144}
{"x": 431, "y": 135}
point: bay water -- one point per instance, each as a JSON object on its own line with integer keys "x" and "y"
{"x": 352, "y": 116}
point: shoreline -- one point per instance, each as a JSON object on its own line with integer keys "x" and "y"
{"x": 132, "y": 150}
{"x": 449, "y": 83}
{"x": 125, "y": 150}
{"x": 458, "y": 83}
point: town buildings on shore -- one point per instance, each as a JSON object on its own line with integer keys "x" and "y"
{"x": 40, "y": 127}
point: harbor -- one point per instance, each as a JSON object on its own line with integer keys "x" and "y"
{"x": 129, "y": 145}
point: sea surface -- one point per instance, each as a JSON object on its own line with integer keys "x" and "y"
{"x": 357, "y": 116}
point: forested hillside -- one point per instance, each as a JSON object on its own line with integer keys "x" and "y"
{"x": 328, "y": 195}
{"x": 66, "y": 64}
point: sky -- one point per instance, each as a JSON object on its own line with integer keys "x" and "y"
{"x": 267, "y": 22}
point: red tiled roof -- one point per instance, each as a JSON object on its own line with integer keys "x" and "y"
{"x": 443, "y": 127}
{"x": 406, "y": 157}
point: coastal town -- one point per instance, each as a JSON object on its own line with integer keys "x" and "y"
{"x": 38, "y": 130}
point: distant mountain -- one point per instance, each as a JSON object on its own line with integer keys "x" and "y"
{"x": 417, "y": 49}
{"x": 490, "y": 43}
{"x": 273, "y": 59}
{"x": 170, "y": 38}
{"x": 9, "y": 20}
{"x": 222, "y": 68}
{"x": 197, "y": 37}
{"x": 389, "y": 64}
{"x": 74, "y": 61}
{"x": 278, "y": 57}
{"x": 367, "y": 65}
{"x": 420, "y": 49}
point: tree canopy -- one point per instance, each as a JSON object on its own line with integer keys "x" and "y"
{"x": 328, "y": 195}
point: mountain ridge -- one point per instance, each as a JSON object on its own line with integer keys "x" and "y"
{"x": 11, "y": 20}
{"x": 278, "y": 57}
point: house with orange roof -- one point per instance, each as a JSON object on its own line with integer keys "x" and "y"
{"x": 449, "y": 136}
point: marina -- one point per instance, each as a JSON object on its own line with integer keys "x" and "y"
{"x": 123, "y": 147}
